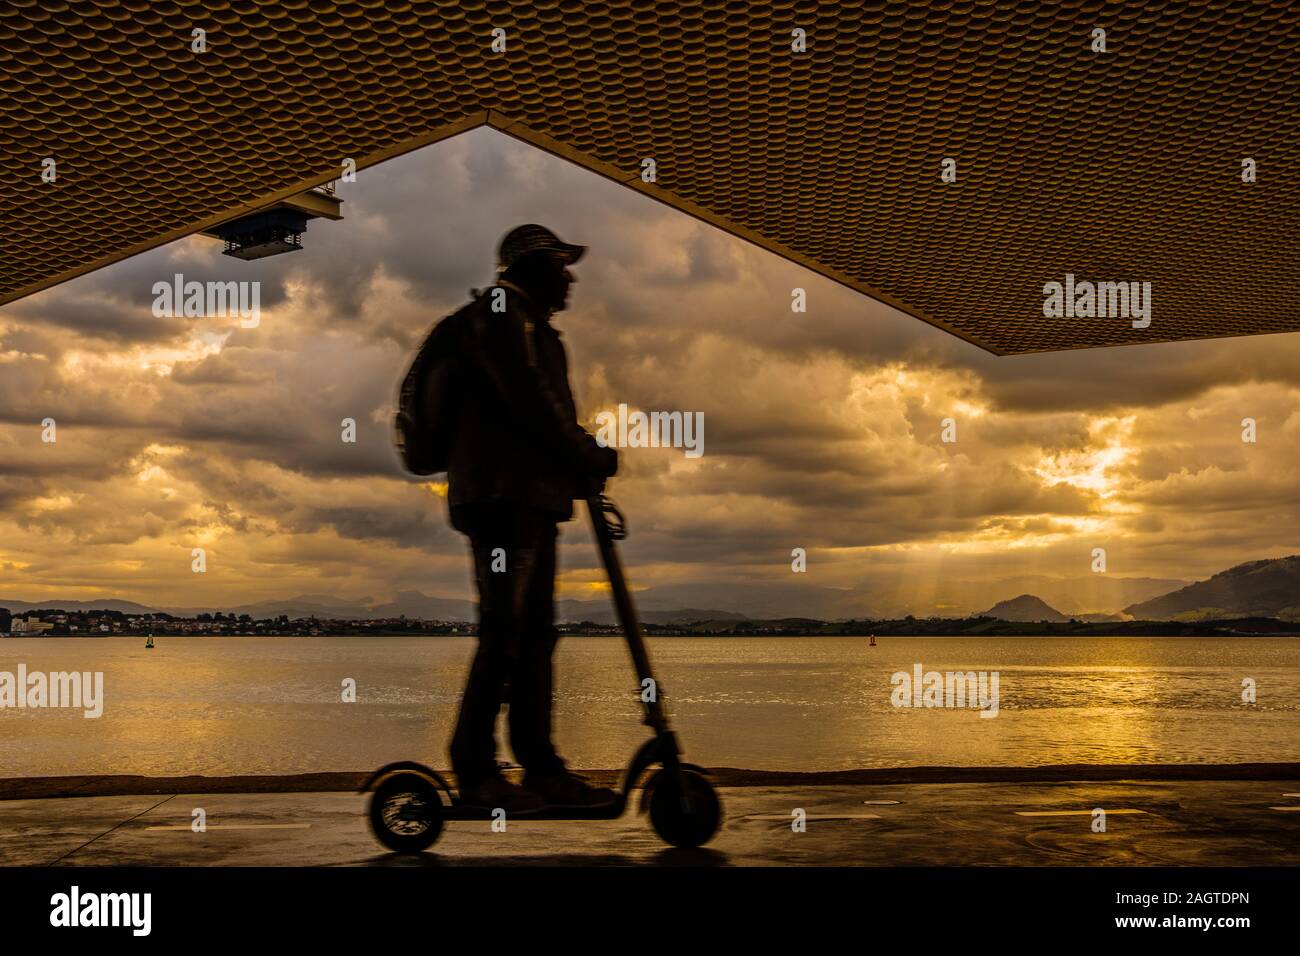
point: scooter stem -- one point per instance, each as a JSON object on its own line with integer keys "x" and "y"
{"x": 601, "y": 510}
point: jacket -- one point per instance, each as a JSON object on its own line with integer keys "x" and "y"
{"x": 517, "y": 440}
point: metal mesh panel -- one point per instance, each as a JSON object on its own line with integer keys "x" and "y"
{"x": 1116, "y": 166}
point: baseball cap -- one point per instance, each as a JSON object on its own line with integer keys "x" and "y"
{"x": 532, "y": 237}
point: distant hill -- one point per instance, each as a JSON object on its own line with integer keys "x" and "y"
{"x": 411, "y": 604}
{"x": 1268, "y": 588}
{"x": 108, "y": 604}
{"x": 302, "y": 606}
{"x": 1087, "y": 593}
{"x": 602, "y": 612}
{"x": 925, "y": 595}
{"x": 751, "y": 599}
{"x": 418, "y": 604}
{"x": 1026, "y": 607}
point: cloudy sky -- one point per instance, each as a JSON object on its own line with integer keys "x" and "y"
{"x": 822, "y": 429}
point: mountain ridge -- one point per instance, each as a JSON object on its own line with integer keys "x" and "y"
{"x": 1268, "y": 587}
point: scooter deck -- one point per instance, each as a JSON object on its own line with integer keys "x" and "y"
{"x": 459, "y": 811}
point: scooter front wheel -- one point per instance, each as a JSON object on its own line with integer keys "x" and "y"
{"x": 684, "y": 808}
{"x": 406, "y": 812}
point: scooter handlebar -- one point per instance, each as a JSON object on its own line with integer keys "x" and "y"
{"x": 609, "y": 515}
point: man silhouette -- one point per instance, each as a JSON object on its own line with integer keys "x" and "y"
{"x": 518, "y": 459}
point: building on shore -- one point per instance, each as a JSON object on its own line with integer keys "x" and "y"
{"x": 29, "y": 628}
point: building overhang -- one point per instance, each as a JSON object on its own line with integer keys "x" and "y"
{"x": 1116, "y": 166}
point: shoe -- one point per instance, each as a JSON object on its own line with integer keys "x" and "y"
{"x": 569, "y": 791}
{"x": 498, "y": 792}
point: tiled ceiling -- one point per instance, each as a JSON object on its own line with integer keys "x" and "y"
{"x": 1122, "y": 165}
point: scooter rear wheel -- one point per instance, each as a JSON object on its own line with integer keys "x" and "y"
{"x": 685, "y": 814}
{"x": 406, "y": 812}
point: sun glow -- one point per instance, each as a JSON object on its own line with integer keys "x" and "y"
{"x": 1092, "y": 468}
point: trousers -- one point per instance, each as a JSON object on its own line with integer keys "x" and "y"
{"x": 513, "y": 550}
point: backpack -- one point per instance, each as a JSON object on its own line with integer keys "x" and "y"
{"x": 425, "y": 422}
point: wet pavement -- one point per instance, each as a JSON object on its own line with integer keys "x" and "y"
{"x": 1151, "y": 822}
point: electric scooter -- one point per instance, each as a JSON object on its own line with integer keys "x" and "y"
{"x": 410, "y": 802}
